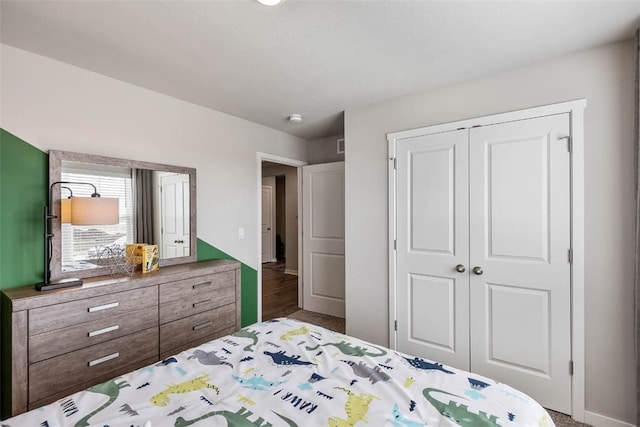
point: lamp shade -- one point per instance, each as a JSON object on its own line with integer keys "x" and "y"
{"x": 94, "y": 211}
{"x": 65, "y": 211}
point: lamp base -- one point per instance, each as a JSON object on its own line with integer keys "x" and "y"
{"x": 64, "y": 283}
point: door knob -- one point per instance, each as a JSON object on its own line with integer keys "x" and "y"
{"x": 460, "y": 268}
{"x": 478, "y": 270}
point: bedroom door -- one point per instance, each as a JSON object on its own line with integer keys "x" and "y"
{"x": 433, "y": 247}
{"x": 482, "y": 261}
{"x": 323, "y": 238}
{"x": 268, "y": 232}
{"x": 520, "y": 268}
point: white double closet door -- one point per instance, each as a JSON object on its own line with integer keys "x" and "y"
{"x": 482, "y": 261}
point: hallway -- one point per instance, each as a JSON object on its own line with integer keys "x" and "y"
{"x": 279, "y": 291}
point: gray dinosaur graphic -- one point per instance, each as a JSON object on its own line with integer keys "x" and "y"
{"x": 350, "y": 350}
{"x": 363, "y": 371}
{"x": 209, "y": 358}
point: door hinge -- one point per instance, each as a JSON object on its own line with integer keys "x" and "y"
{"x": 570, "y": 367}
{"x": 570, "y": 254}
{"x": 395, "y": 325}
{"x": 569, "y": 143}
{"x": 395, "y": 162}
{"x": 395, "y": 244}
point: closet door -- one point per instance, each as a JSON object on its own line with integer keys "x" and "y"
{"x": 519, "y": 265}
{"x": 432, "y": 297}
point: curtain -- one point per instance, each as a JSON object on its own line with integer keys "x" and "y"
{"x": 636, "y": 158}
{"x": 144, "y": 205}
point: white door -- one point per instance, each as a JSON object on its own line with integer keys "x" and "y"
{"x": 268, "y": 206}
{"x": 175, "y": 218}
{"x": 432, "y": 239}
{"x": 494, "y": 201}
{"x": 520, "y": 239}
{"x": 323, "y": 238}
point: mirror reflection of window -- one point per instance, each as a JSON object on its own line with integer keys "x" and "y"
{"x": 154, "y": 209}
{"x": 83, "y": 245}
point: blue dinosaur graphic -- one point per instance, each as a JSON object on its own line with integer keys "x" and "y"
{"x": 256, "y": 382}
{"x": 400, "y": 420}
{"x": 209, "y": 359}
{"x": 281, "y": 358}
{"x": 418, "y": 363}
{"x": 477, "y": 384}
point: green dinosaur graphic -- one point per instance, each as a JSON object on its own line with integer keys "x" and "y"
{"x": 235, "y": 419}
{"x": 350, "y": 350}
{"x": 246, "y": 333}
{"x": 458, "y": 413}
{"x": 111, "y": 389}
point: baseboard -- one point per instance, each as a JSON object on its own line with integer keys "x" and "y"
{"x": 597, "y": 420}
{"x": 292, "y": 272}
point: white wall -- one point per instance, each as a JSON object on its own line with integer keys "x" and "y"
{"x": 603, "y": 76}
{"x": 324, "y": 150}
{"x": 53, "y": 105}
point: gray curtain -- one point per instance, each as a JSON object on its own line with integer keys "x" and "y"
{"x": 636, "y": 158}
{"x": 144, "y": 205}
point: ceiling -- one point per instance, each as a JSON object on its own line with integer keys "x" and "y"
{"x": 316, "y": 58}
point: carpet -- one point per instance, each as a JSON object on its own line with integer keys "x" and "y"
{"x": 329, "y": 322}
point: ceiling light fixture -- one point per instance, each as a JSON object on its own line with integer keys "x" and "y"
{"x": 269, "y": 2}
{"x": 295, "y": 118}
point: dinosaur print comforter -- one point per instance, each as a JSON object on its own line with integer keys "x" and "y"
{"x": 289, "y": 373}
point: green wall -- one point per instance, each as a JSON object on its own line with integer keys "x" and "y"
{"x": 23, "y": 196}
{"x": 249, "y": 280}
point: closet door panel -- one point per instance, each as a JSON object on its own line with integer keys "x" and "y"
{"x": 432, "y": 239}
{"x": 520, "y": 237}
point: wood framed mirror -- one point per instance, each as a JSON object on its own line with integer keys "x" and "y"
{"x": 157, "y": 206}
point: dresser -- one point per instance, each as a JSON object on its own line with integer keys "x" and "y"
{"x": 58, "y": 342}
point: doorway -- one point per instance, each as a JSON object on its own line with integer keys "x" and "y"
{"x": 280, "y": 260}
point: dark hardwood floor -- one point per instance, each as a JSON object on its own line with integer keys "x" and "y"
{"x": 279, "y": 291}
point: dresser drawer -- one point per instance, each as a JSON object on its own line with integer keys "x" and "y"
{"x": 195, "y": 328}
{"x": 191, "y": 344}
{"x": 196, "y": 286}
{"x": 72, "y": 313}
{"x": 196, "y": 303}
{"x": 63, "y": 372}
{"x": 50, "y": 344}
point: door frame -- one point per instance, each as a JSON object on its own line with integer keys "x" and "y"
{"x": 576, "y": 113}
{"x": 260, "y": 157}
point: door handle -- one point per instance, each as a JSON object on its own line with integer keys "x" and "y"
{"x": 478, "y": 270}
{"x": 460, "y": 268}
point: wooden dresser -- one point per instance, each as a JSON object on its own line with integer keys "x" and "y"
{"x": 58, "y": 342}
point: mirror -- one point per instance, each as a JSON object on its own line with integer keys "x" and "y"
{"x": 157, "y": 206}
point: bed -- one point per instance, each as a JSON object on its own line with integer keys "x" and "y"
{"x": 289, "y": 373}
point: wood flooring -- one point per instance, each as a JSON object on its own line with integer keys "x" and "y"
{"x": 279, "y": 291}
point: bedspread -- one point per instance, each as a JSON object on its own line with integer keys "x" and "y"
{"x": 289, "y": 373}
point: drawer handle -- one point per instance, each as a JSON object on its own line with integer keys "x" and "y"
{"x": 200, "y": 285}
{"x": 104, "y": 331}
{"x": 103, "y": 307}
{"x": 104, "y": 359}
{"x": 196, "y": 304}
{"x": 202, "y": 325}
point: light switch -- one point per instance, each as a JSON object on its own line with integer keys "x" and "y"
{"x": 240, "y": 233}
